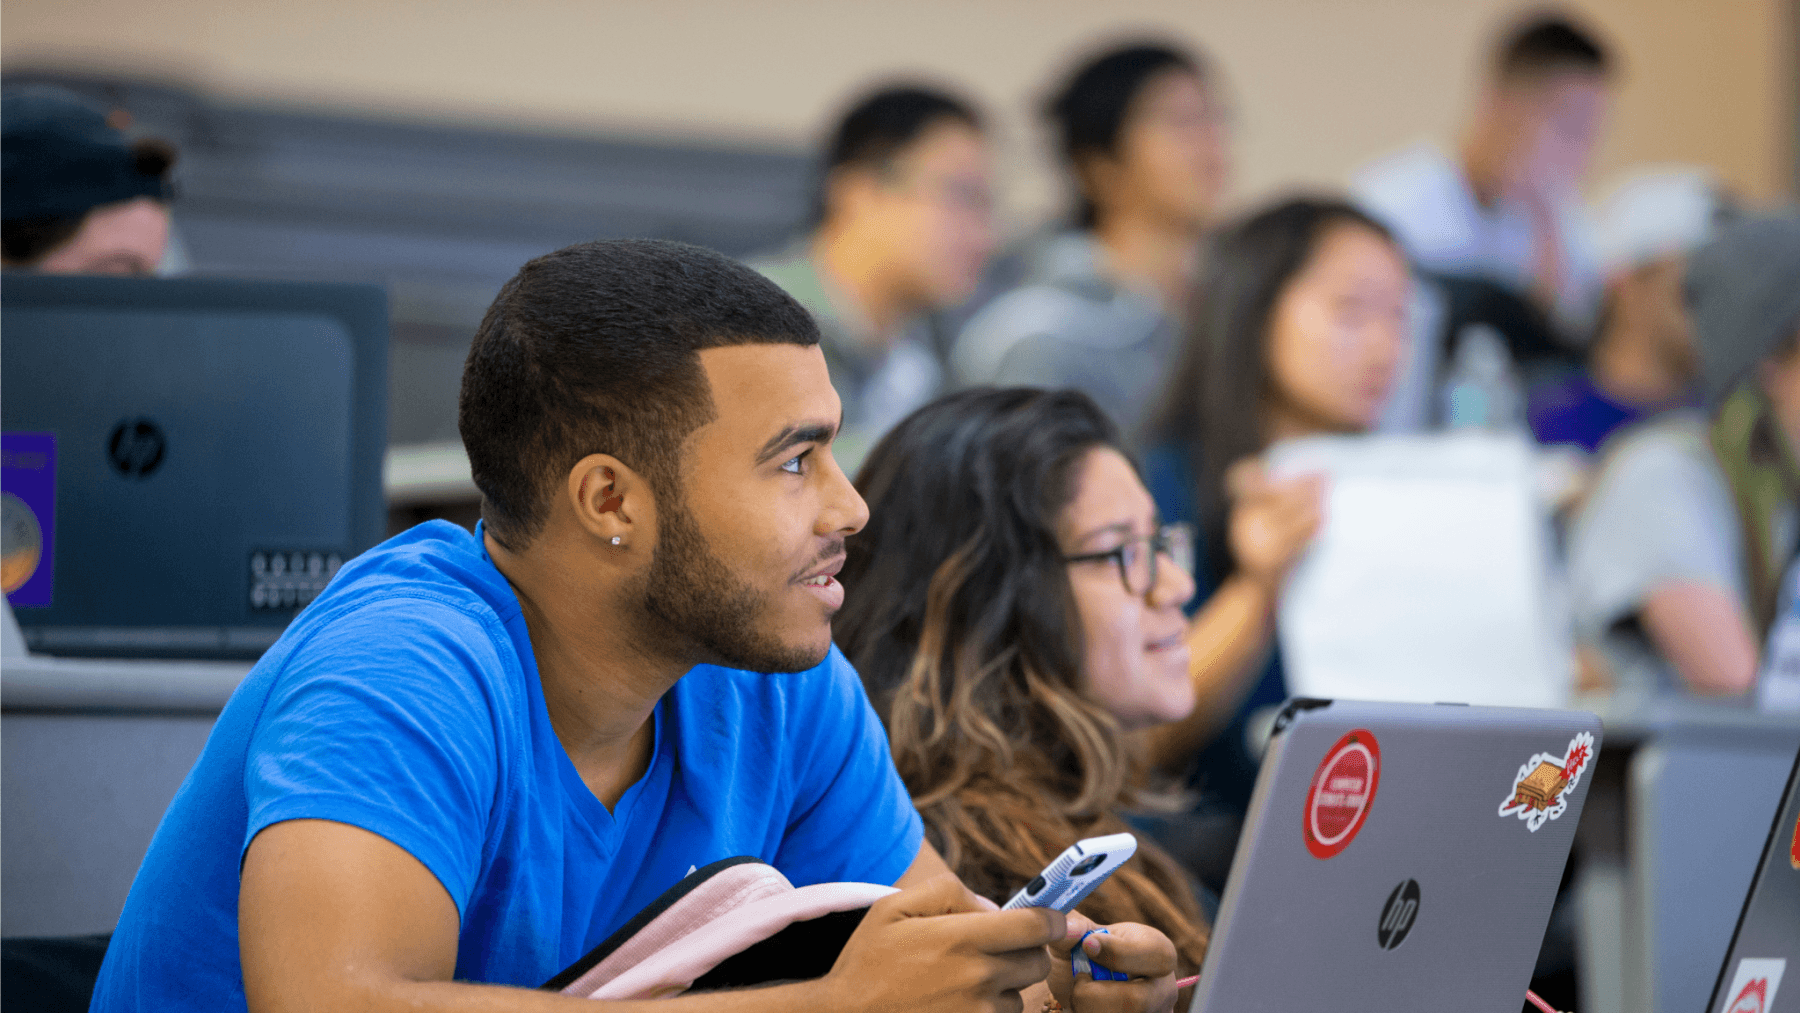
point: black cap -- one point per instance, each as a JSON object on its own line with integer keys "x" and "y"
{"x": 61, "y": 157}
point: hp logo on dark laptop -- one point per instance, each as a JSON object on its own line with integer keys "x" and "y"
{"x": 1397, "y": 917}
{"x": 136, "y": 448}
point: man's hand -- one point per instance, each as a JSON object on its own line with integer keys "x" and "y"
{"x": 940, "y": 947}
{"x": 1271, "y": 522}
{"x": 1128, "y": 948}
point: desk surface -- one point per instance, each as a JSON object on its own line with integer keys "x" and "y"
{"x": 37, "y": 682}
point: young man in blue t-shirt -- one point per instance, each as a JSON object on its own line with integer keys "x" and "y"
{"x": 475, "y": 757}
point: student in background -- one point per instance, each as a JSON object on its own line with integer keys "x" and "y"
{"x": 1503, "y": 206}
{"x": 1015, "y": 608}
{"x": 904, "y": 227}
{"x": 1300, "y": 326}
{"x": 1677, "y": 556}
{"x": 79, "y": 198}
{"x": 1142, "y": 135}
{"x": 1642, "y": 360}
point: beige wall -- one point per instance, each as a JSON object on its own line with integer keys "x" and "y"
{"x": 1319, "y": 86}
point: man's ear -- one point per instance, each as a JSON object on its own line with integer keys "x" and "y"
{"x": 612, "y": 503}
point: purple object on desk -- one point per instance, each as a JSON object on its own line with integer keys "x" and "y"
{"x": 27, "y": 516}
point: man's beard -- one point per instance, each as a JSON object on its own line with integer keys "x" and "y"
{"x": 694, "y": 597}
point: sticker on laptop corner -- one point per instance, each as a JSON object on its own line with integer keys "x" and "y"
{"x": 1540, "y": 790}
{"x": 1342, "y": 790}
{"x": 1753, "y": 986}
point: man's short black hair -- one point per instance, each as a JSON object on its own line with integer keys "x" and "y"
{"x": 885, "y": 123}
{"x": 1549, "y": 44}
{"x": 595, "y": 349}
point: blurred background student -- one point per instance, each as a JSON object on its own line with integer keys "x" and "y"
{"x": 1015, "y": 609}
{"x": 1142, "y": 136}
{"x": 1503, "y": 206}
{"x": 1300, "y": 325}
{"x": 1642, "y": 359}
{"x": 1676, "y": 560}
{"x": 79, "y": 197}
{"x": 904, "y": 226}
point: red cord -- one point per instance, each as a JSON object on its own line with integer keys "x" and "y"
{"x": 1185, "y": 982}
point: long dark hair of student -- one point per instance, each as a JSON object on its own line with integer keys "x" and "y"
{"x": 1090, "y": 110}
{"x": 1216, "y": 401}
{"x": 959, "y": 614}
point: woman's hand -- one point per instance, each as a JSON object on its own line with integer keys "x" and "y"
{"x": 1271, "y": 522}
{"x": 1128, "y": 948}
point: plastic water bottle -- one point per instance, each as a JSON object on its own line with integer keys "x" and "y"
{"x": 1482, "y": 391}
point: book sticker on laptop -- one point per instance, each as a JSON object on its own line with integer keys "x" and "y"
{"x": 1540, "y": 790}
{"x": 1342, "y": 790}
{"x": 1753, "y": 987}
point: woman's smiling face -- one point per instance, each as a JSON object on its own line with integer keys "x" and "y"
{"x": 1135, "y": 655}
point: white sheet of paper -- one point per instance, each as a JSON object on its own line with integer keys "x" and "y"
{"x": 1429, "y": 579}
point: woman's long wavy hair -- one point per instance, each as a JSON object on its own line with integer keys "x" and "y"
{"x": 959, "y": 614}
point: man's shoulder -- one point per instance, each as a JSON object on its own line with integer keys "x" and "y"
{"x": 791, "y": 267}
{"x": 1401, "y": 176}
{"x": 1675, "y": 443}
{"x": 1653, "y": 474}
{"x": 1419, "y": 192}
{"x": 430, "y": 585}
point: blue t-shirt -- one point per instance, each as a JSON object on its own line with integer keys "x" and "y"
{"x": 1575, "y": 410}
{"x": 406, "y": 701}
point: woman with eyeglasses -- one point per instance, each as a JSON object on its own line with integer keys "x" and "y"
{"x": 1015, "y": 608}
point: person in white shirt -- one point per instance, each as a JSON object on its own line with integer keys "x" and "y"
{"x": 1502, "y": 206}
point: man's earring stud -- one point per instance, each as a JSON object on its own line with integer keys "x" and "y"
{"x": 615, "y": 539}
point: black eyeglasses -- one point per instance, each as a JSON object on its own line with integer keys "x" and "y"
{"x": 1138, "y": 568}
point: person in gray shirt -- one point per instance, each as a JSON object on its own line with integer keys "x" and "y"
{"x": 1101, "y": 305}
{"x": 904, "y": 226}
{"x": 1676, "y": 557}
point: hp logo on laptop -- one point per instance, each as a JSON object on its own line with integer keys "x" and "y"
{"x": 136, "y": 447}
{"x": 1398, "y": 915}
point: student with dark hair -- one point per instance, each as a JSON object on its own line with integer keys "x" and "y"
{"x": 78, "y": 197}
{"x": 1300, "y": 327}
{"x": 1014, "y": 607}
{"x": 1503, "y": 207}
{"x": 1642, "y": 361}
{"x": 1677, "y": 557}
{"x": 1141, "y": 134}
{"x": 475, "y": 756}
{"x": 903, "y": 225}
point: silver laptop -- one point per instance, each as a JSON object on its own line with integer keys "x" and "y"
{"x": 1399, "y": 857}
{"x": 1766, "y": 944}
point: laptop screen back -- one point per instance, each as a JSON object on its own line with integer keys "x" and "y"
{"x": 1399, "y": 857}
{"x": 217, "y": 453}
{"x": 1766, "y": 947}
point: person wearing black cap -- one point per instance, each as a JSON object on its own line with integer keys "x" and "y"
{"x": 1676, "y": 560}
{"x": 77, "y": 196}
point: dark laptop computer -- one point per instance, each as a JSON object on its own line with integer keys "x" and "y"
{"x": 1766, "y": 944}
{"x": 206, "y": 453}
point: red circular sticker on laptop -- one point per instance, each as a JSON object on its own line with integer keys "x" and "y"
{"x": 1343, "y": 789}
